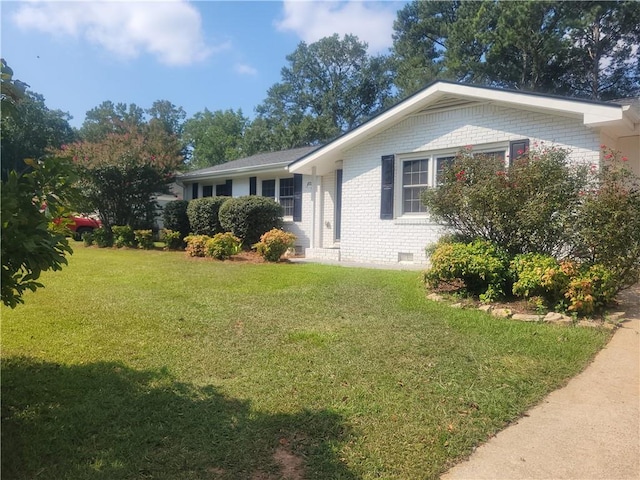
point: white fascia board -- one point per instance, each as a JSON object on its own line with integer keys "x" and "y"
{"x": 592, "y": 115}
{"x": 237, "y": 172}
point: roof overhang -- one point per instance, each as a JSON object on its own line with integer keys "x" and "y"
{"x": 234, "y": 172}
{"x": 445, "y": 95}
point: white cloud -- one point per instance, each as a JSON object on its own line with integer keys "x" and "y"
{"x": 171, "y": 30}
{"x": 244, "y": 69}
{"x": 371, "y": 22}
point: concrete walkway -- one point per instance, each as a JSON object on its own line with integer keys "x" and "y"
{"x": 589, "y": 429}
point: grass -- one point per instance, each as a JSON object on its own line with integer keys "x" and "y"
{"x": 147, "y": 364}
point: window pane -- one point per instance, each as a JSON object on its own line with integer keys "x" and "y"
{"x": 411, "y": 200}
{"x": 414, "y": 172}
{"x": 443, "y": 163}
{"x": 287, "y": 206}
{"x": 286, "y": 187}
{"x": 207, "y": 190}
{"x": 269, "y": 188}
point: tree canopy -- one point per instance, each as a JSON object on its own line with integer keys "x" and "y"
{"x": 327, "y": 88}
{"x": 587, "y": 49}
{"x": 215, "y": 137}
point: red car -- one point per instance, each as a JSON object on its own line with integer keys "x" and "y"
{"x": 81, "y": 225}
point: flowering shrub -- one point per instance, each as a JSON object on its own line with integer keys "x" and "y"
{"x": 144, "y": 239}
{"x": 222, "y": 246}
{"x": 523, "y": 208}
{"x": 606, "y": 230}
{"x": 480, "y": 265}
{"x": 274, "y": 244}
{"x": 172, "y": 239}
{"x": 196, "y": 245}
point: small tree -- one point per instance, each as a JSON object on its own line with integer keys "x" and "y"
{"x": 249, "y": 217}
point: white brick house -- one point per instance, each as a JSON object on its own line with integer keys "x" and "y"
{"x": 357, "y": 197}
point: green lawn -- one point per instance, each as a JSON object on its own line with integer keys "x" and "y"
{"x": 147, "y": 364}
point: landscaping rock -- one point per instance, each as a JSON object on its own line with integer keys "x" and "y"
{"x": 553, "y": 317}
{"x": 435, "y": 297}
{"x": 485, "y": 308}
{"x": 457, "y": 305}
{"x": 525, "y": 317}
{"x": 615, "y": 316}
{"x": 501, "y": 312}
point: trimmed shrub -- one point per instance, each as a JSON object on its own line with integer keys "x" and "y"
{"x": 203, "y": 215}
{"x": 196, "y": 245}
{"x": 591, "y": 290}
{"x": 144, "y": 239}
{"x": 539, "y": 275}
{"x": 274, "y": 244}
{"x": 172, "y": 240}
{"x": 123, "y": 236}
{"x": 102, "y": 238}
{"x": 222, "y": 246}
{"x": 482, "y": 267}
{"x": 87, "y": 239}
{"x": 174, "y": 217}
{"x": 249, "y": 217}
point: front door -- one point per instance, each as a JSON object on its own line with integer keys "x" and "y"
{"x": 338, "y": 219}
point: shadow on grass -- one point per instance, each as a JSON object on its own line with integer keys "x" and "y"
{"x": 105, "y": 420}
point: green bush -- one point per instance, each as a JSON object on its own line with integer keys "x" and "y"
{"x": 591, "y": 290}
{"x": 222, "y": 246}
{"x": 102, "y": 238}
{"x": 172, "y": 240}
{"x": 203, "y": 215}
{"x": 144, "y": 239}
{"x": 196, "y": 245}
{"x": 87, "y": 239}
{"x": 249, "y": 217}
{"x": 539, "y": 275}
{"x": 274, "y": 244}
{"x": 123, "y": 236}
{"x": 481, "y": 266}
{"x": 174, "y": 217}
{"x": 525, "y": 208}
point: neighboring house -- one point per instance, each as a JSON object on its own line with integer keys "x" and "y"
{"x": 357, "y": 198}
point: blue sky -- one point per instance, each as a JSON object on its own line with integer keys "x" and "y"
{"x": 217, "y": 55}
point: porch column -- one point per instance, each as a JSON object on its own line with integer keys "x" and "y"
{"x": 314, "y": 181}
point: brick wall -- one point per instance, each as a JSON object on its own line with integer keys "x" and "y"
{"x": 367, "y": 238}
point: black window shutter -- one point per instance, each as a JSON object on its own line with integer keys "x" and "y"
{"x": 517, "y": 148}
{"x": 253, "y": 185}
{"x": 194, "y": 190}
{"x": 229, "y": 188}
{"x": 386, "y": 193}
{"x": 297, "y": 197}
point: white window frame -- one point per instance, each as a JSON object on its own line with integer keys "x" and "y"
{"x": 259, "y": 180}
{"x": 431, "y": 157}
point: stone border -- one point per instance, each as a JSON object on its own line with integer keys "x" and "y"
{"x": 613, "y": 319}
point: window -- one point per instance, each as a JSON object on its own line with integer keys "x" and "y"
{"x": 207, "y": 190}
{"x": 269, "y": 188}
{"x": 286, "y": 196}
{"x": 442, "y": 163}
{"x": 415, "y": 175}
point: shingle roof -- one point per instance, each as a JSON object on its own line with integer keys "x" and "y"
{"x": 281, "y": 158}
